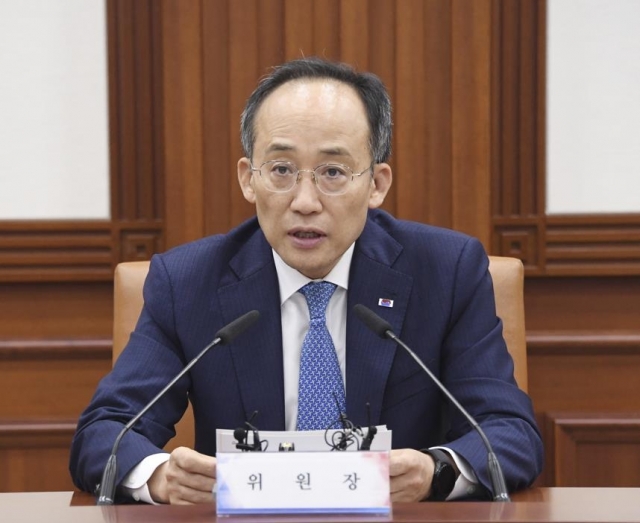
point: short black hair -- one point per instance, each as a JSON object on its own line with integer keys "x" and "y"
{"x": 369, "y": 87}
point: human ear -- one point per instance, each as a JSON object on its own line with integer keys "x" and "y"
{"x": 244, "y": 178}
{"x": 381, "y": 183}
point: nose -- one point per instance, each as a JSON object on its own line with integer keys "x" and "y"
{"x": 306, "y": 197}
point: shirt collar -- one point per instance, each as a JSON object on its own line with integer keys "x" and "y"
{"x": 290, "y": 280}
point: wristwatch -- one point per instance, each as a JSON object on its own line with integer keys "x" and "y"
{"x": 444, "y": 475}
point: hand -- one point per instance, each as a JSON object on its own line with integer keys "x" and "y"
{"x": 411, "y": 474}
{"x": 187, "y": 478}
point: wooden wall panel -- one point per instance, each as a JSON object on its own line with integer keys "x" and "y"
{"x": 182, "y": 119}
{"x": 471, "y": 167}
{"x": 422, "y": 113}
{"x": 591, "y": 244}
{"x": 581, "y": 298}
{"x": 437, "y": 58}
{"x": 50, "y": 379}
{"x": 247, "y": 30}
{"x": 44, "y": 386}
{"x": 136, "y": 138}
{"x": 382, "y": 58}
{"x": 35, "y": 456}
{"x": 582, "y": 305}
{"x": 55, "y": 251}
{"x": 216, "y": 117}
{"x": 592, "y": 378}
{"x": 88, "y": 250}
{"x": 589, "y": 375}
{"x": 584, "y": 359}
{"x": 354, "y": 34}
{"x": 135, "y": 95}
{"x": 597, "y": 451}
{"x": 56, "y": 276}
{"x": 410, "y": 115}
{"x": 232, "y": 44}
{"x": 55, "y": 311}
{"x": 517, "y": 131}
{"x": 549, "y": 245}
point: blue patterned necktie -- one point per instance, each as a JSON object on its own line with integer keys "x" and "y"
{"x": 321, "y": 389}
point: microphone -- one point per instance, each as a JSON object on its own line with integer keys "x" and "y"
{"x": 241, "y": 436}
{"x": 371, "y": 432}
{"x": 224, "y": 336}
{"x": 383, "y": 329}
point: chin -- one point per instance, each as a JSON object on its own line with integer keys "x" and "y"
{"x": 307, "y": 271}
{"x": 310, "y": 271}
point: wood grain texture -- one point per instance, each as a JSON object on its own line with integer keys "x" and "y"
{"x": 517, "y": 132}
{"x": 44, "y": 386}
{"x": 245, "y": 30}
{"x": 50, "y": 379}
{"x": 182, "y": 81}
{"x": 422, "y": 113}
{"x": 585, "y": 374}
{"x": 596, "y": 450}
{"x": 588, "y": 245}
{"x": 539, "y": 505}
{"x": 471, "y": 116}
{"x": 216, "y": 117}
{"x": 43, "y": 251}
{"x": 55, "y": 310}
{"x": 34, "y": 455}
{"x": 595, "y": 381}
{"x": 135, "y": 128}
{"x": 602, "y": 304}
{"x": 408, "y": 44}
{"x": 467, "y": 80}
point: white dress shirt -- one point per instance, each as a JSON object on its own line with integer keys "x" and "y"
{"x": 295, "y": 324}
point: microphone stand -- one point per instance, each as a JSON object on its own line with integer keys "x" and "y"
{"x": 383, "y": 329}
{"x": 107, "y": 485}
{"x": 498, "y": 484}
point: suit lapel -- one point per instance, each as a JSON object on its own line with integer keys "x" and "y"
{"x": 257, "y": 355}
{"x": 369, "y": 357}
{"x": 252, "y": 283}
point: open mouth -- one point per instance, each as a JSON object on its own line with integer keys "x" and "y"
{"x": 306, "y": 235}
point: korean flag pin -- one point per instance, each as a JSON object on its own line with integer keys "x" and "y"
{"x": 385, "y": 302}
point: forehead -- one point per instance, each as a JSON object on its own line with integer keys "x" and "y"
{"x": 317, "y": 101}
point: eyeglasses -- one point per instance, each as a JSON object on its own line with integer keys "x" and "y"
{"x": 331, "y": 179}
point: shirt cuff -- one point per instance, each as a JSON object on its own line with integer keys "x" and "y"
{"x": 134, "y": 484}
{"x": 467, "y": 482}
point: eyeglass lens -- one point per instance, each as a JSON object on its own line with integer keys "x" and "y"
{"x": 281, "y": 176}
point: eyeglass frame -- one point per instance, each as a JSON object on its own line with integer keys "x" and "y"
{"x": 313, "y": 174}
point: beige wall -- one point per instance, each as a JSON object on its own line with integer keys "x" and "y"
{"x": 53, "y": 101}
{"x": 593, "y": 107}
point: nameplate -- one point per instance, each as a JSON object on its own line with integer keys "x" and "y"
{"x": 303, "y": 483}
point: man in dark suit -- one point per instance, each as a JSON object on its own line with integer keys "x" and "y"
{"x": 316, "y": 136}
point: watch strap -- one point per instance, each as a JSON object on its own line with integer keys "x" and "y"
{"x": 445, "y": 475}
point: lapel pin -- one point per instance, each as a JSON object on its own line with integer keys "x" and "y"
{"x": 385, "y": 302}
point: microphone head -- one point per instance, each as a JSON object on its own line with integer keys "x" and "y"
{"x": 240, "y": 435}
{"x": 229, "y": 332}
{"x": 372, "y": 320}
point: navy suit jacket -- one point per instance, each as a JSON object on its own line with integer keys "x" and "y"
{"x": 443, "y": 307}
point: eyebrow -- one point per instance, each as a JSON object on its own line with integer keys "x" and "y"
{"x": 329, "y": 151}
{"x": 336, "y": 151}
{"x": 279, "y": 147}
